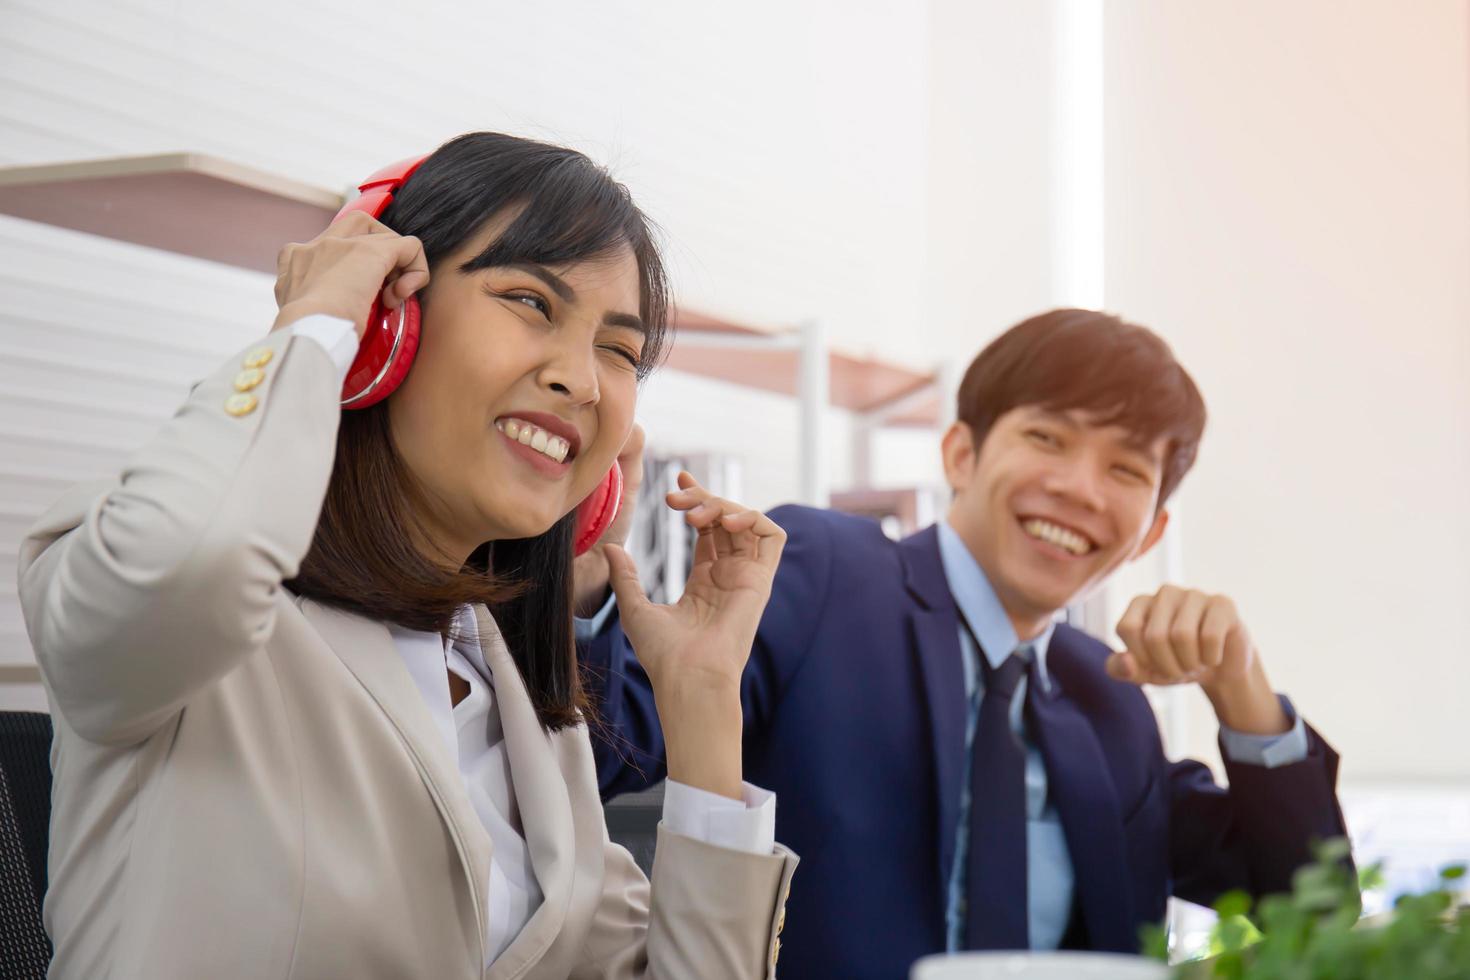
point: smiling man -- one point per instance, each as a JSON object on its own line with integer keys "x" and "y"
{"x": 958, "y": 770}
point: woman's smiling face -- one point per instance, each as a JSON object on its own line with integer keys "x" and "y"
{"x": 521, "y": 394}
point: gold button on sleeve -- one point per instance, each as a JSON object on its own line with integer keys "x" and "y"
{"x": 242, "y": 404}
{"x": 259, "y": 357}
{"x": 249, "y": 378}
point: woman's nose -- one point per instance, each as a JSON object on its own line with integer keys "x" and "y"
{"x": 572, "y": 373}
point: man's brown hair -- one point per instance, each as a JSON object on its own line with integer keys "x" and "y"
{"x": 1082, "y": 360}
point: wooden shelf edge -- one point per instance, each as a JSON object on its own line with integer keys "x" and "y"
{"x": 20, "y": 674}
{"x": 172, "y": 163}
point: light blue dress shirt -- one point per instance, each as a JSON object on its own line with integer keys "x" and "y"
{"x": 586, "y": 629}
{"x": 1049, "y": 876}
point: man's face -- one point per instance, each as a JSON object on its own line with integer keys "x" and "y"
{"x": 1052, "y": 504}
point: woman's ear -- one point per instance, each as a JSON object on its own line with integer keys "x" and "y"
{"x": 958, "y": 451}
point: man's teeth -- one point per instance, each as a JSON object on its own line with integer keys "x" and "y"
{"x": 537, "y": 438}
{"x": 1057, "y": 535}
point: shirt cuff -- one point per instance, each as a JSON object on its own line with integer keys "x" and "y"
{"x": 748, "y": 824}
{"x": 586, "y": 629}
{"x": 1270, "y": 751}
{"x": 336, "y": 336}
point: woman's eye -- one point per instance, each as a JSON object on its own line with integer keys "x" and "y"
{"x": 534, "y": 302}
{"x": 630, "y": 356}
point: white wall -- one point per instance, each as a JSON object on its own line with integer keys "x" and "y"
{"x": 990, "y": 172}
{"x": 1288, "y": 202}
{"x": 989, "y": 198}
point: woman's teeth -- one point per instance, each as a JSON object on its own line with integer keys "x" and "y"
{"x": 1057, "y": 535}
{"x": 553, "y": 447}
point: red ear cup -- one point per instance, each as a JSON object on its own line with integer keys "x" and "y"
{"x": 596, "y": 514}
{"x": 392, "y": 336}
{"x": 384, "y": 355}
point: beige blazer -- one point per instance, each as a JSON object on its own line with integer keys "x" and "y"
{"x": 249, "y": 785}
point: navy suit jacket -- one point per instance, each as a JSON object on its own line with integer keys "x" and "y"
{"x": 854, "y": 703}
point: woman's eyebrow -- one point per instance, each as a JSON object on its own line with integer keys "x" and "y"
{"x": 624, "y": 320}
{"x": 557, "y": 283}
{"x": 568, "y": 294}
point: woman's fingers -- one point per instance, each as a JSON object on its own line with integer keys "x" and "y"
{"x": 770, "y": 540}
{"x": 410, "y": 271}
{"x": 341, "y": 271}
{"x": 725, "y": 527}
{"x": 701, "y": 511}
{"x": 707, "y": 519}
{"x": 755, "y": 536}
{"x": 352, "y": 224}
{"x": 690, "y": 494}
{"x": 701, "y": 508}
{"x": 622, "y": 575}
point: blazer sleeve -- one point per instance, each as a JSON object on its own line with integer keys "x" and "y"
{"x": 140, "y": 591}
{"x": 711, "y": 912}
{"x": 628, "y": 742}
{"x": 1254, "y": 835}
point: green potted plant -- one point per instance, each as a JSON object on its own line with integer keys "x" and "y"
{"x": 1314, "y": 933}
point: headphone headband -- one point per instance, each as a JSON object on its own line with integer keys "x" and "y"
{"x": 377, "y": 190}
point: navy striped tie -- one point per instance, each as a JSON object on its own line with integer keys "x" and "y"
{"x": 995, "y": 871}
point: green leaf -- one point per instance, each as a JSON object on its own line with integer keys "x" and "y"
{"x": 1371, "y": 877}
{"x": 1333, "y": 850}
{"x": 1232, "y": 904}
{"x": 1155, "y": 942}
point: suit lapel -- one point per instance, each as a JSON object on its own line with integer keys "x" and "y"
{"x": 543, "y": 800}
{"x": 1080, "y": 783}
{"x": 934, "y": 626}
{"x": 367, "y": 650}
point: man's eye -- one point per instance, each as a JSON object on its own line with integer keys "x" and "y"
{"x": 1043, "y": 438}
{"x": 1131, "y": 473}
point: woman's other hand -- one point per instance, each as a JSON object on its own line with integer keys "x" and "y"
{"x": 695, "y": 650}
{"x": 590, "y": 572}
{"x": 341, "y": 271}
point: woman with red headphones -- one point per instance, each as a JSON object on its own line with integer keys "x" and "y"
{"x": 310, "y": 655}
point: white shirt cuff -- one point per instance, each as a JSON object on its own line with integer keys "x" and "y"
{"x": 336, "y": 336}
{"x": 748, "y": 824}
{"x": 1270, "y": 751}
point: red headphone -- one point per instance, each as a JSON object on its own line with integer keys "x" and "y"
{"x": 392, "y": 339}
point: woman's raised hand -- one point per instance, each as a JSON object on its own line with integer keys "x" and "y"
{"x": 591, "y": 572}
{"x": 695, "y": 649}
{"x": 341, "y": 271}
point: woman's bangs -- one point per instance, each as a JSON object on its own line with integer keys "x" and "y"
{"x": 561, "y": 221}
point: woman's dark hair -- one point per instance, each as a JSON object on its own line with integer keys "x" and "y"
{"x": 363, "y": 557}
{"x": 1083, "y": 360}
